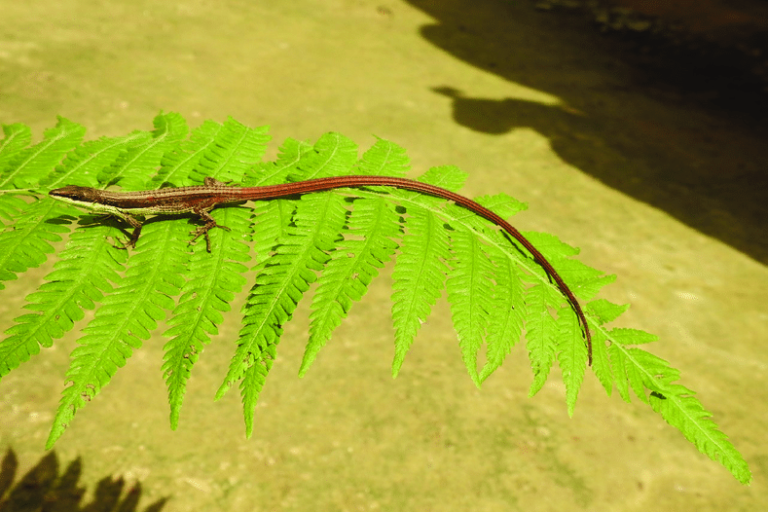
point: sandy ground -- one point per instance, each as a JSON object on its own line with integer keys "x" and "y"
{"x": 666, "y": 194}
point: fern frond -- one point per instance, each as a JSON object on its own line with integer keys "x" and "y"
{"x": 27, "y": 166}
{"x": 572, "y": 355}
{"x": 384, "y": 159}
{"x": 133, "y": 167}
{"x": 323, "y": 216}
{"x": 286, "y": 276}
{"x": 179, "y": 162}
{"x": 469, "y": 294}
{"x": 126, "y": 317}
{"x": 269, "y": 223}
{"x": 448, "y": 177}
{"x": 495, "y": 287}
{"x": 352, "y": 266}
{"x": 419, "y": 275}
{"x": 17, "y": 137}
{"x": 79, "y": 280}
{"x": 235, "y": 149}
{"x": 678, "y": 406}
{"x": 280, "y": 284}
{"x": 506, "y": 323}
{"x": 332, "y": 155}
{"x": 601, "y": 363}
{"x": 82, "y": 165}
{"x": 272, "y": 173}
{"x": 600, "y": 312}
{"x": 28, "y": 243}
{"x": 683, "y": 411}
{"x": 212, "y": 282}
{"x": 626, "y": 336}
{"x": 541, "y": 333}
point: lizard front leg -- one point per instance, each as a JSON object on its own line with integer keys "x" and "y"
{"x": 135, "y": 224}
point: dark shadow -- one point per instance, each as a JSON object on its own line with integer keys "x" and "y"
{"x": 696, "y": 174}
{"x": 42, "y": 489}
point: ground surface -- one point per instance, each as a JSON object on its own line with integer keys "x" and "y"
{"x": 663, "y": 187}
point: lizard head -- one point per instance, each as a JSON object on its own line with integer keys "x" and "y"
{"x": 75, "y": 195}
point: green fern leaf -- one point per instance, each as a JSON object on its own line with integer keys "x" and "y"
{"x": 294, "y": 239}
{"x": 332, "y": 155}
{"x": 419, "y": 275}
{"x": 683, "y": 411}
{"x": 236, "y": 149}
{"x": 541, "y": 333}
{"x": 28, "y": 244}
{"x": 273, "y": 173}
{"x": 550, "y": 245}
{"x": 17, "y": 137}
{"x": 601, "y": 363}
{"x": 384, "y": 158}
{"x": 181, "y": 160}
{"x": 82, "y": 165}
{"x": 27, "y": 166}
{"x": 469, "y": 294}
{"x": 212, "y": 282}
{"x": 448, "y": 177}
{"x": 603, "y": 311}
{"x": 269, "y": 223}
{"x": 353, "y": 265}
{"x": 325, "y": 213}
{"x": 126, "y": 317}
{"x": 628, "y": 371}
{"x": 506, "y": 324}
{"x": 280, "y": 283}
{"x": 80, "y": 278}
{"x": 132, "y": 167}
{"x": 572, "y": 355}
{"x": 626, "y": 336}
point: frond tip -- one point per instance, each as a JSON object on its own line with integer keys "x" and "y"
{"x": 684, "y": 412}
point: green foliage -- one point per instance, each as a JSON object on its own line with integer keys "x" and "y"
{"x": 339, "y": 238}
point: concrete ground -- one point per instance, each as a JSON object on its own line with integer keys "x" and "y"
{"x": 649, "y": 183}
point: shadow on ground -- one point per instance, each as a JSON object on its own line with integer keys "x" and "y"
{"x": 709, "y": 175}
{"x": 43, "y": 489}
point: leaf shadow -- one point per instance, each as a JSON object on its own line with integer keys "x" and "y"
{"x": 43, "y": 489}
{"x": 706, "y": 171}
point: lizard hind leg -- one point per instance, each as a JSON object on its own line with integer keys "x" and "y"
{"x": 210, "y": 223}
